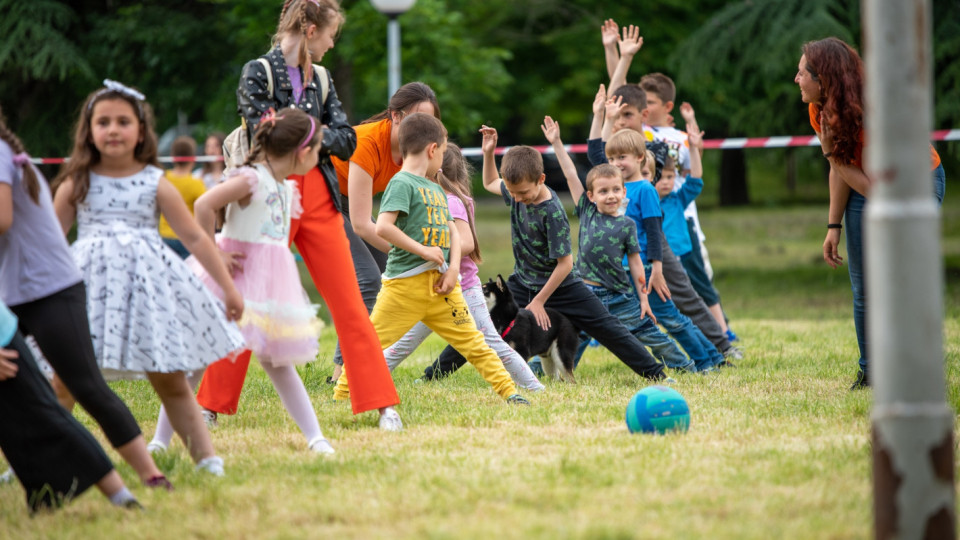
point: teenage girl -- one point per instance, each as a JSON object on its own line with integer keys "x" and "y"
{"x": 279, "y": 323}
{"x": 306, "y": 31}
{"x": 454, "y": 178}
{"x": 211, "y": 172}
{"x": 148, "y": 313}
{"x": 41, "y": 284}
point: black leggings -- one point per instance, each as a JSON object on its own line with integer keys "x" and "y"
{"x": 59, "y": 325}
{"x": 53, "y": 456}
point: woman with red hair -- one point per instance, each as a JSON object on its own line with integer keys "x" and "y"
{"x": 830, "y": 77}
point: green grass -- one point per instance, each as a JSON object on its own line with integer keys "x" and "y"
{"x": 778, "y": 448}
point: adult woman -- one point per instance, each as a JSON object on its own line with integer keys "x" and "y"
{"x": 830, "y": 77}
{"x": 305, "y": 33}
{"x": 366, "y": 173}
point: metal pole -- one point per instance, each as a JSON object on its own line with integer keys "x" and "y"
{"x": 393, "y": 55}
{"x": 911, "y": 421}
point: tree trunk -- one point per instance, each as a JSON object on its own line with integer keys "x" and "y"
{"x": 733, "y": 178}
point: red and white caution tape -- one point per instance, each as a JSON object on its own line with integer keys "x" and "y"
{"x": 709, "y": 144}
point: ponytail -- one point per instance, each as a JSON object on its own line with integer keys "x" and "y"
{"x": 30, "y": 181}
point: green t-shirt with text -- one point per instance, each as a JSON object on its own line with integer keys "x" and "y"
{"x": 422, "y": 215}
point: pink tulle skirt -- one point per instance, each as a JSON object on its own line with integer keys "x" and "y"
{"x": 279, "y": 323}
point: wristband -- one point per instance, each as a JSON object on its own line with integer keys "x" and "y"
{"x": 828, "y": 154}
{"x": 834, "y": 226}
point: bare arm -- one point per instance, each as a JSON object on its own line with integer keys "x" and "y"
{"x": 853, "y": 176}
{"x": 560, "y": 273}
{"x": 234, "y": 188}
{"x": 6, "y": 207}
{"x": 360, "y": 192}
{"x": 466, "y": 237}
{"x": 199, "y": 244}
{"x": 449, "y": 279}
{"x": 387, "y": 230}
{"x": 491, "y": 177}
{"x": 63, "y": 206}
{"x": 610, "y": 34}
{"x": 640, "y": 284}
{"x": 597, "y": 124}
{"x": 629, "y": 47}
{"x": 839, "y": 195}
{"x": 613, "y": 106}
{"x": 551, "y": 130}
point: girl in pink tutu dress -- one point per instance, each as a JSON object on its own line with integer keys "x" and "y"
{"x": 279, "y": 323}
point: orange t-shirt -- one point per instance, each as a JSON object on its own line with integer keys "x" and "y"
{"x": 372, "y": 155}
{"x": 858, "y": 153}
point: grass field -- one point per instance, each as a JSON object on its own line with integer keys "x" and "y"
{"x": 778, "y": 448}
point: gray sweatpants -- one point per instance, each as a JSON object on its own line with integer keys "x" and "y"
{"x": 688, "y": 301}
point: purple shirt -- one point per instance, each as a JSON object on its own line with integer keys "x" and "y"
{"x": 35, "y": 261}
{"x": 296, "y": 80}
{"x": 468, "y": 268}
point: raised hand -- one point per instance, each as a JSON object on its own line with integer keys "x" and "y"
{"x": 551, "y": 130}
{"x": 613, "y": 107}
{"x": 609, "y": 33}
{"x": 489, "y": 143}
{"x": 632, "y": 41}
{"x": 695, "y": 138}
{"x": 600, "y": 100}
{"x": 687, "y": 112}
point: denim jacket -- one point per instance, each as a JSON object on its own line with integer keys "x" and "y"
{"x": 338, "y": 138}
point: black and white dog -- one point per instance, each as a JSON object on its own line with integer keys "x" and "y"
{"x": 556, "y": 347}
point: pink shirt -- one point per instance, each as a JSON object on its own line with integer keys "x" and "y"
{"x": 468, "y": 268}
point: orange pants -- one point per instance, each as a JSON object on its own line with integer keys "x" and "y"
{"x": 322, "y": 243}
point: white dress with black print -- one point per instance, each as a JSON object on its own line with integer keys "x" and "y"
{"x": 147, "y": 310}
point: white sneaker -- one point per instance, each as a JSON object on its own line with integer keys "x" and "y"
{"x": 156, "y": 447}
{"x": 390, "y": 420}
{"x": 209, "y": 418}
{"x": 212, "y": 465}
{"x": 321, "y": 446}
{"x": 7, "y": 477}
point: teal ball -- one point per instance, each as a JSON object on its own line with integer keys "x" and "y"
{"x": 658, "y": 409}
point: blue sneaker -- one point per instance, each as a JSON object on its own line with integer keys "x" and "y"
{"x": 731, "y": 337}
{"x": 594, "y": 343}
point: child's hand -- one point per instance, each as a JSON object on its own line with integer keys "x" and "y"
{"x": 489, "y": 143}
{"x": 686, "y": 111}
{"x": 613, "y": 107}
{"x": 645, "y": 310}
{"x": 551, "y": 130}
{"x": 233, "y": 302}
{"x": 432, "y": 254}
{"x": 233, "y": 260}
{"x": 632, "y": 41}
{"x": 600, "y": 100}
{"x": 447, "y": 281}
{"x": 658, "y": 284}
{"x": 609, "y": 33}
{"x": 539, "y": 313}
{"x": 696, "y": 139}
{"x": 8, "y": 369}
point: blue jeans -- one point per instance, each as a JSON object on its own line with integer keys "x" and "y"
{"x": 853, "y": 217}
{"x": 626, "y": 307}
{"x": 703, "y": 353}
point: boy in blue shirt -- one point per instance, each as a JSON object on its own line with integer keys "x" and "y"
{"x": 606, "y": 238}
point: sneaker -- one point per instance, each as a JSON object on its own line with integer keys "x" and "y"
{"x": 517, "y": 399}
{"x": 156, "y": 447}
{"x": 731, "y": 337}
{"x": 159, "y": 481}
{"x": 726, "y": 364}
{"x": 209, "y": 418}
{"x": 594, "y": 343}
{"x": 133, "y": 504}
{"x": 390, "y": 420}
{"x": 7, "y": 477}
{"x": 321, "y": 446}
{"x": 212, "y": 465}
{"x": 862, "y": 381}
{"x": 733, "y": 353}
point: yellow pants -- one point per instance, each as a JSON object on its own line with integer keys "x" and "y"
{"x": 404, "y": 302}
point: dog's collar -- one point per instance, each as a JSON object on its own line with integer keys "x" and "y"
{"x": 507, "y": 329}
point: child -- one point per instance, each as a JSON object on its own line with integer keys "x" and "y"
{"x": 606, "y": 238}
{"x": 454, "y": 178}
{"x": 148, "y": 313}
{"x": 419, "y": 285}
{"x": 54, "y": 457}
{"x": 189, "y": 186}
{"x": 41, "y": 284}
{"x": 211, "y": 172}
{"x": 279, "y": 324}
{"x": 543, "y": 270}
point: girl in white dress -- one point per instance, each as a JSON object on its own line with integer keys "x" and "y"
{"x": 149, "y": 315}
{"x": 279, "y": 323}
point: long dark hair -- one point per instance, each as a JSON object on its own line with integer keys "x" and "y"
{"x": 454, "y": 178}
{"x": 406, "y": 97}
{"x": 839, "y": 70}
{"x": 30, "y": 181}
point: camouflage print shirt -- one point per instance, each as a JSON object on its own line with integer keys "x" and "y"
{"x": 541, "y": 235}
{"x": 604, "y": 241}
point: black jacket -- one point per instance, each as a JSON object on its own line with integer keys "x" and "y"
{"x": 338, "y": 138}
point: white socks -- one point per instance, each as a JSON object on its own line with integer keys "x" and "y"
{"x": 212, "y": 465}
{"x": 390, "y": 420}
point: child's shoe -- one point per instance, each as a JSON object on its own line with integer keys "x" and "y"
{"x": 594, "y": 342}
{"x": 517, "y": 399}
{"x": 321, "y": 446}
{"x": 390, "y": 420}
{"x": 7, "y": 477}
{"x": 862, "y": 381}
{"x": 212, "y": 465}
{"x": 156, "y": 447}
{"x": 733, "y": 353}
{"x": 159, "y": 481}
{"x": 209, "y": 418}
{"x": 731, "y": 337}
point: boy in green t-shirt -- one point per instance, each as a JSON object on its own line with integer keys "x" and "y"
{"x": 419, "y": 285}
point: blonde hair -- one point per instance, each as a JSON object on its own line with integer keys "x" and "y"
{"x": 603, "y": 170}
{"x": 454, "y": 178}
{"x": 627, "y": 141}
{"x": 296, "y": 16}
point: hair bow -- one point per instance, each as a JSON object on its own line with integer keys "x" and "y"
{"x": 123, "y": 89}
{"x": 270, "y": 116}
{"x": 21, "y": 159}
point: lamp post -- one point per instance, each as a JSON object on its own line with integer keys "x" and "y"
{"x": 393, "y": 9}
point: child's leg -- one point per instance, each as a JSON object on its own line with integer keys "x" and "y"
{"x": 164, "y": 433}
{"x": 689, "y": 302}
{"x": 222, "y": 384}
{"x": 294, "y": 396}
{"x": 326, "y": 252}
{"x": 701, "y": 284}
{"x": 682, "y": 329}
{"x": 585, "y": 311}
{"x": 663, "y": 348}
{"x": 404, "y": 347}
{"x": 177, "y": 398}
{"x": 450, "y": 318}
{"x": 515, "y": 365}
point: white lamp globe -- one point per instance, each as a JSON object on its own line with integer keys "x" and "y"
{"x": 392, "y": 7}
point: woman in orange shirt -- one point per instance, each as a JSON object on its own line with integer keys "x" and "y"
{"x": 367, "y": 172}
{"x": 830, "y": 77}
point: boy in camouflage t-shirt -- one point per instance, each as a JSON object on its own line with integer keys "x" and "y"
{"x": 543, "y": 274}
